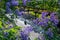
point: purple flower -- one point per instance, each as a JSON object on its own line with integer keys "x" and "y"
{"x": 28, "y": 29}
{"x": 8, "y": 4}
{"x": 53, "y": 14}
{"x": 41, "y": 23}
{"x": 24, "y": 36}
{"x": 56, "y": 21}
{"x": 44, "y": 22}
{"x": 44, "y": 14}
{"x": 25, "y": 32}
{"x": 19, "y": 13}
{"x": 49, "y": 32}
{"x": 10, "y": 26}
{"x": 6, "y": 34}
{"x": 54, "y": 18}
{"x": 8, "y": 10}
{"x": 50, "y": 29}
{"x": 14, "y": 3}
{"x": 28, "y": 0}
{"x": 24, "y": 2}
{"x": 36, "y": 21}
{"x": 8, "y": 22}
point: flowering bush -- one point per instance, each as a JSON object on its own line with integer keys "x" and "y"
{"x": 29, "y": 20}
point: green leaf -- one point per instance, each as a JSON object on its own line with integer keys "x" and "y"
{"x": 0, "y": 24}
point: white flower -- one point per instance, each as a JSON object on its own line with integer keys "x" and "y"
{"x": 33, "y": 35}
